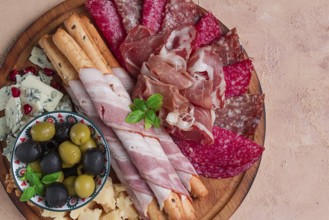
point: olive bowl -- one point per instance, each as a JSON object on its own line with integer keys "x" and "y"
{"x": 19, "y": 168}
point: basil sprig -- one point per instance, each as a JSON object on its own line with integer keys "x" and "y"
{"x": 37, "y": 186}
{"x": 146, "y": 110}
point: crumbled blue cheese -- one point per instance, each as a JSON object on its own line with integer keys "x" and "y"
{"x": 5, "y": 94}
{"x": 65, "y": 104}
{"x": 33, "y": 97}
{"x": 13, "y": 114}
{"x": 50, "y": 97}
{"x": 44, "y": 78}
{"x": 4, "y": 130}
{"x": 39, "y": 58}
{"x": 8, "y": 150}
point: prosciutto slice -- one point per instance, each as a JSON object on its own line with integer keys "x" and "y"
{"x": 120, "y": 161}
{"x": 143, "y": 148}
{"x": 130, "y": 12}
{"x": 138, "y": 46}
{"x": 204, "y": 66}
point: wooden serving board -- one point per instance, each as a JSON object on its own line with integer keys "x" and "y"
{"x": 225, "y": 195}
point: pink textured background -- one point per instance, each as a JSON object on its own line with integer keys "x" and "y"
{"x": 289, "y": 41}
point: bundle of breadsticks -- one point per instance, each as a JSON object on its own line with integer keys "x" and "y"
{"x": 149, "y": 163}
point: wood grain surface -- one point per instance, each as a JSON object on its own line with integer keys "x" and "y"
{"x": 225, "y": 194}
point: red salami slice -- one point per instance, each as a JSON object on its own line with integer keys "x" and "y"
{"x": 228, "y": 48}
{"x": 180, "y": 13}
{"x": 241, "y": 114}
{"x": 109, "y": 23}
{"x": 237, "y": 77}
{"x": 153, "y": 13}
{"x": 130, "y": 11}
{"x": 208, "y": 30}
{"x": 230, "y": 154}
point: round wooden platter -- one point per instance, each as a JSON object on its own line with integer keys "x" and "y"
{"x": 225, "y": 194}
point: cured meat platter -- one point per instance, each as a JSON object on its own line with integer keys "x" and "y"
{"x": 225, "y": 195}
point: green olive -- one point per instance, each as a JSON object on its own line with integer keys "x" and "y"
{"x": 90, "y": 144}
{"x": 84, "y": 186}
{"x": 43, "y": 131}
{"x": 35, "y": 165}
{"x": 79, "y": 133}
{"x": 80, "y": 170}
{"x": 69, "y": 184}
{"x": 69, "y": 153}
{"x": 65, "y": 165}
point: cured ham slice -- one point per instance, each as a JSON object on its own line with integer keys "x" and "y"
{"x": 228, "y": 156}
{"x": 204, "y": 66}
{"x": 237, "y": 78}
{"x": 241, "y": 114}
{"x": 153, "y": 13}
{"x": 208, "y": 30}
{"x": 180, "y": 13}
{"x": 228, "y": 48}
{"x": 145, "y": 151}
{"x": 138, "y": 46}
{"x": 109, "y": 23}
{"x": 121, "y": 163}
{"x": 130, "y": 12}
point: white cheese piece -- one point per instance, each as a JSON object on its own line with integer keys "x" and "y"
{"x": 8, "y": 150}
{"x": 39, "y": 58}
{"x": 118, "y": 188}
{"x": 54, "y": 215}
{"x": 13, "y": 113}
{"x": 5, "y": 94}
{"x": 77, "y": 212}
{"x": 65, "y": 104}
{"x": 127, "y": 211}
{"x": 91, "y": 214}
{"x": 4, "y": 130}
{"x": 106, "y": 196}
{"x": 114, "y": 215}
{"x": 50, "y": 97}
{"x": 44, "y": 78}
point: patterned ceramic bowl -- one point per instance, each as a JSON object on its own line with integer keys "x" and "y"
{"x": 19, "y": 168}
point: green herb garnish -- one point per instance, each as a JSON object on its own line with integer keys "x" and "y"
{"x": 37, "y": 186}
{"x": 146, "y": 110}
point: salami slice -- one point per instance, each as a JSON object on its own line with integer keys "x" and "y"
{"x": 228, "y": 48}
{"x": 208, "y": 30}
{"x": 237, "y": 77}
{"x": 153, "y": 13}
{"x": 180, "y": 13}
{"x": 241, "y": 114}
{"x": 109, "y": 23}
{"x": 229, "y": 156}
{"x": 130, "y": 11}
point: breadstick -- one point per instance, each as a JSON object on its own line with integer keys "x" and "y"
{"x": 188, "y": 209}
{"x": 154, "y": 212}
{"x": 76, "y": 29}
{"x": 92, "y": 31}
{"x": 63, "y": 67}
{"x": 173, "y": 207}
{"x": 73, "y": 52}
{"x": 198, "y": 189}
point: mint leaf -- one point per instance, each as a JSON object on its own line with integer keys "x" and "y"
{"x": 29, "y": 168}
{"x": 150, "y": 117}
{"x": 147, "y": 124}
{"x": 135, "y": 116}
{"x": 28, "y": 193}
{"x": 39, "y": 188}
{"x": 33, "y": 178}
{"x": 154, "y": 102}
{"x": 51, "y": 178}
{"x": 132, "y": 107}
{"x": 157, "y": 122}
{"x": 140, "y": 104}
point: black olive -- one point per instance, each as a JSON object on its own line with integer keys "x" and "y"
{"x": 72, "y": 171}
{"x": 56, "y": 195}
{"x": 28, "y": 151}
{"x": 63, "y": 131}
{"x": 93, "y": 161}
{"x": 51, "y": 163}
{"x": 48, "y": 146}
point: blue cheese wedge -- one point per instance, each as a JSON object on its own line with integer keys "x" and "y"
{"x": 44, "y": 78}
{"x": 4, "y": 130}
{"x": 65, "y": 104}
{"x": 33, "y": 97}
{"x": 8, "y": 150}
{"x": 50, "y": 97}
{"x": 13, "y": 114}
{"x": 5, "y": 94}
{"x": 39, "y": 58}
